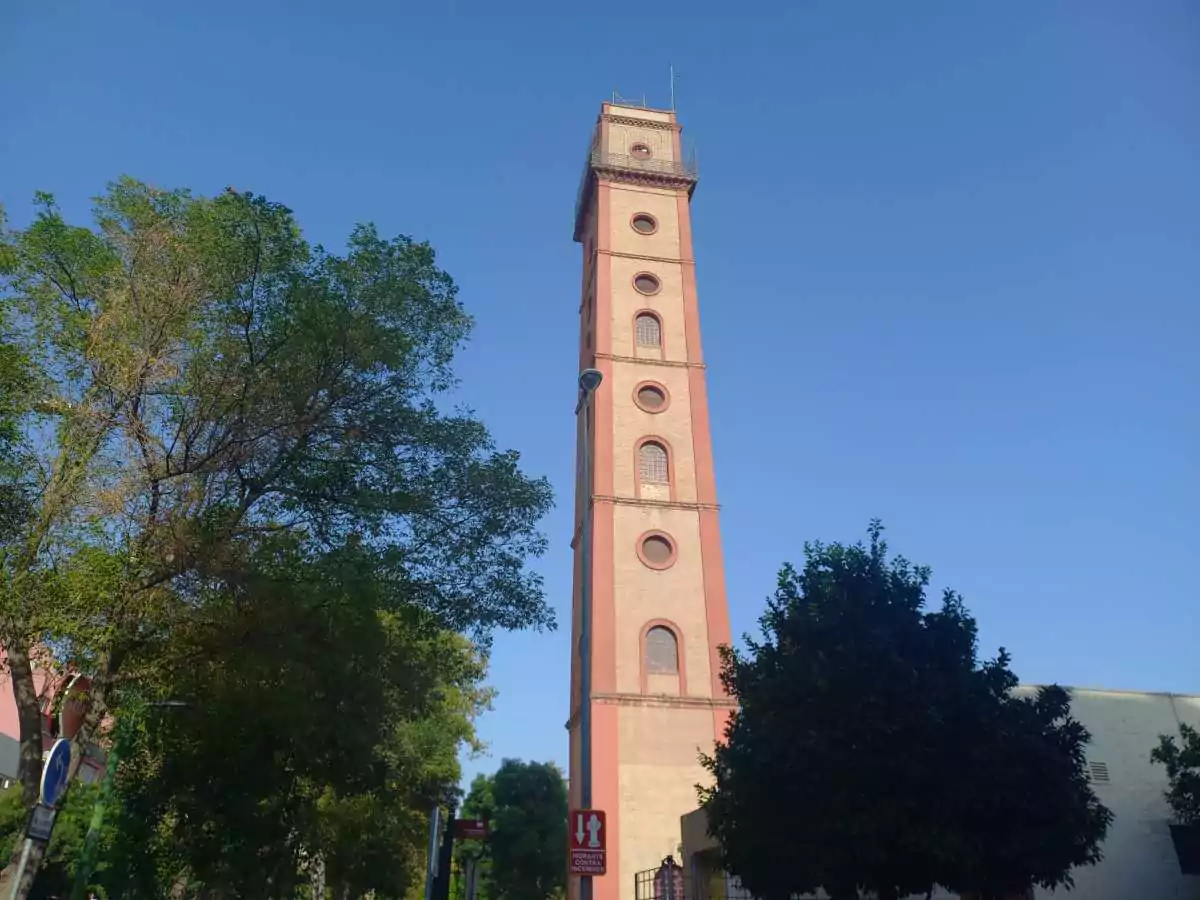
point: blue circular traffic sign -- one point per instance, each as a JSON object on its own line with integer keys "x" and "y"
{"x": 54, "y": 772}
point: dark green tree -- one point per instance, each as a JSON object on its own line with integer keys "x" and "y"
{"x": 1182, "y": 762}
{"x": 319, "y": 729}
{"x": 66, "y": 843}
{"x": 206, "y": 387}
{"x": 525, "y": 855}
{"x": 1034, "y": 817}
{"x": 864, "y": 752}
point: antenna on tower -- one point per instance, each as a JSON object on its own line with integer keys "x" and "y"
{"x": 673, "y": 77}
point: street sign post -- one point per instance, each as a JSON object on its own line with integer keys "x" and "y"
{"x": 54, "y": 772}
{"x": 587, "y": 836}
{"x": 38, "y": 828}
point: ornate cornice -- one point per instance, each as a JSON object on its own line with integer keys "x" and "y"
{"x": 661, "y": 701}
{"x": 666, "y": 700}
{"x": 670, "y": 363}
{"x": 646, "y": 179}
{"x": 645, "y": 503}
{"x": 662, "y": 504}
{"x": 662, "y": 259}
{"x": 617, "y": 167}
{"x": 614, "y": 119}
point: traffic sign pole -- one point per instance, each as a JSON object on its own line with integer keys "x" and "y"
{"x": 435, "y": 820}
{"x": 25, "y": 851}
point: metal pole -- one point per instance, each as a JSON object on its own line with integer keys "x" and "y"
{"x": 585, "y": 616}
{"x": 445, "y": 866}
{"x": 431, "y": 865}
{"x": 25, "y": 851}
{"x": 589, "y": 380}
{"x": 469, "y": 877}
{"x": 672, "y": 87}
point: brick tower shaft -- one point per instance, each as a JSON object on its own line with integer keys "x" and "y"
{"x": 659, "y": 610}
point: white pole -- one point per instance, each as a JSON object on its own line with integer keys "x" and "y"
{"x": 25, "y": 851}
{"x": 431, "y": 869}
{"x": 470, "y": 879}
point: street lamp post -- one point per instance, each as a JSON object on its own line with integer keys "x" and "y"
{"x": 589, "y": 381}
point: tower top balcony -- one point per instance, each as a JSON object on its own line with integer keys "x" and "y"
{"x": 634, "y": 144}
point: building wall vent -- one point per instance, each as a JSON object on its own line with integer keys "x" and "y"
{"x": 1098, "y": 772}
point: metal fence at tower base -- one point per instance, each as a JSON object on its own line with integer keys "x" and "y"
{"x": 670, "y": 882}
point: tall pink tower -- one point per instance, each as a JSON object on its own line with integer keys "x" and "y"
{"x": 658, "y": 610}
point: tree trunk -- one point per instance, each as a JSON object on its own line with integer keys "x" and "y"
{"x": 179, "y": 886}
{"x": 30, "y": 766}
{"x": 317, "y": 870}
{"x": 30, "y": 718}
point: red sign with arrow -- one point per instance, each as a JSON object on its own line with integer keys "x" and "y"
{"x": 587, "y": 835}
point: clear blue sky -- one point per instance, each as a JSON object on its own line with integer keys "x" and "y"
{"x": 949, "y": 261}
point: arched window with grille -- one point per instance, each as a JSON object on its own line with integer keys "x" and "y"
{"x": 654, "y": 471}
{"x": 647, "y": 331}
{"x": 662, "y": 651}
{"x": 662, "y": 672}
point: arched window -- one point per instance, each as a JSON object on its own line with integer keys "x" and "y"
{"x": 662, "y": 651}
{"x": 652, "y": 464}
{"x": 648, "y": 331}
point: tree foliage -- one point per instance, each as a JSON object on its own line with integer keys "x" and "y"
{"x": 205, "y": 399}
{"x": 1182, "y": 762}
{"x": 872, "y": 751}
{"x": 525, "y": 855}
{"x": 317, "y": 730}
{"x": 66, "y": 842}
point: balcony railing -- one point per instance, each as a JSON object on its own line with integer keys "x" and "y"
{"x": 683, "y": 171}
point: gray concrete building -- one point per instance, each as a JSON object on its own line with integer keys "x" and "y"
{"x": 1139, "y": 858}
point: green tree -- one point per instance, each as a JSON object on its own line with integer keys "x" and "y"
{"x": 66, "y": 843}
{"x": 1182, "y": 762}
{"x": 525, "y": 854}
{"x": 1035, "y": 817}
{"x": 318, "y": 732}
{"x": 16, "y": 391}
{"x": 853, "y": 761}
{"x": 208, "y": 388}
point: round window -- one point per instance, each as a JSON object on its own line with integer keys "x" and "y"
{"x": 651, "y": 397}
{"x": 640, "y": 151}
{"x": 644, "y": 223}
{"x": 645, "y": 283}
{"x": 657, "y": 551}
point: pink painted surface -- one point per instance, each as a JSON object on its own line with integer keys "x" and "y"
{"x": 45, "y": 682}
{"x": 9, "y": 723}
